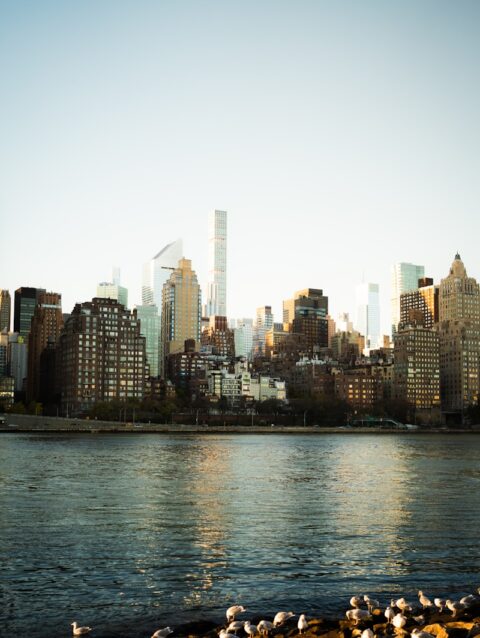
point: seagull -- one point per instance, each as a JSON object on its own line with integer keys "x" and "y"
{"x": 250, "y": 630}
{"x": 399, "y": 621}
{"x": 389, "y": 614}
{"x": 454, "y": 607}
{"x": 470, "y": 600}
{"x": 162, "y": 633}
{"x": 233, "y": 611}
{"x": 420, "y": 620}
{"x": 371, "y": 603}
{"x": 367, "y": 633}
{"x": 357, "y": 601}
{"x": 281, "y": 617}
{"x": 402, "y": 604}
{"x": 78, "y": 631}
{"x": 440, "y": 603}
{"x": 418, "y": 633}
{"x": 224, "y": 634}
{"x": 424, "y": 601}
{"x": 265, "y": 626}
{"x": 235, "y": 626}
{"x": 357, "y": 615}
{"x": 302, "y": 624}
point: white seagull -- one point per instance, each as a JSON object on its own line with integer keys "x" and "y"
{"x": 424, "y": 601}
{"x": 357, "y": 601}
{"x": 265, "y": 626}
{"x": 367, "y": 633}
{"x": 282, "y": 617}
{"x": 233, "y": 611}
{"x": 402, "y": 604}
{"x": 389, "y": 614}
{"x": 470, "y": 600}
{"x": 454, "y": 607}
{"x": 224, "y": 634}
{"x": 162, "y": 633}
{"x": 250, "y": 630}
{"x": 78, "y": 631}
{"x": 371, "y": 603}
{"x": 302, "y": 624}
{"x": 357, "y": 615}
{"x": 440, "y": 603}
{"x": 399, "y": 621}
{"x": 235, "y": 626}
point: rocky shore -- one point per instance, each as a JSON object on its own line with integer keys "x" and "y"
{"x": 436, "y": 623}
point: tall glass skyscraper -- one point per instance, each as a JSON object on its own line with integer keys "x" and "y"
{"x": 368, "y": 314}
{"x": 217, "y": 264}
{"x": 405, "y": 278}
{"x": 157, "y": 271}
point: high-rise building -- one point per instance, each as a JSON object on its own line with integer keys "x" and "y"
{"x": 420, "y": 302}
{"x": 157, "y": 271}
{"x": 405, "y": 278}
{"x": 263, "y": 323}
{"x": 459, "y": 332}
{"x": 243, "y": 335}
{"x": 368, "y": 314}
{"x": 17, "y": 358}
{"x": 219, "y": 337}
{"x": 217, "y": 264}
{"x": 100, "y": 356}
{"x": 181, "y": 310}
{"x": 113, "y": 289}
{"x": 306, "y": 314}
{"x": 417, "y": 371}
{"x": 47, "y": 322}
{"x": 26, "y": 300}
{"x": 5, "y": 310}
{"x": 150, "y": 329}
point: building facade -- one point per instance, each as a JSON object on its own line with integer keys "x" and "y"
{"x": 5, "y": 310}
{"x": 26, "y": 300}
{"x": 181, "y": 310}
{"x": 404, "y": 278}
{"x": 423, "y": 302}
{"x": 157, "y": 271}
{"x": 150, "y": 329}
{"x": 100, "y": 356}
{"x": 217, "y": 264}
{"x": 368, "y": 315}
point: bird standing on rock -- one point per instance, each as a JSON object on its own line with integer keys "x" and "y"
{"x": 440, "y": 603}
{"x": 357, "y": 601}
{"x": 424, "y": 601}
{"x": 454, "y": 607}
{"x": 399, "y": 621}
{"x": 282, "y": 617}
{"x": 371, "y": 603}
{"x": 402, "y": 604}
{"x": 235, "y": 626}
{"x": 162, "y": 633}
{"x": 233, "y": 611}
{"x": 79, "y": 631}
{"x": 265, "y": 627}
{"x": 250, "y": 630}
{"x": 367, "y": 633}
{"x": 225, "y": 634}
{"x": 357, "y": 615}
{"x": 302, "y": 624}
{"x": 389, "y": 614}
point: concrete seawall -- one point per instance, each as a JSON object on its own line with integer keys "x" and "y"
{"x": 32, "y": 423}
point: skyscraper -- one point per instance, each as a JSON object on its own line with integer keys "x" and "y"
{"x": 368, "y": 314}
{"x": 113, "y": 289}
{"x": 25, "y": 301}
{"x": 263, "y": 323}
{"x": 150, "y": 329}
{"x": 405, "y": 278}
{"x": 5, "y": 310}
{"x": 217, "y": 264}
{"x": 157, "y": 271}
{"x": 459, "y": 333}
{"x": 306, "y": 314}
{"x": 181, "y": 310}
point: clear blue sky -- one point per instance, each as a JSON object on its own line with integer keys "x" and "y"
{"x": 340, "y": 136}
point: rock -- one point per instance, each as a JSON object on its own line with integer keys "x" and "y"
{"x": 437, "y": 630}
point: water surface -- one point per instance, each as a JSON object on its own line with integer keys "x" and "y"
{"x": 129, "y": 533}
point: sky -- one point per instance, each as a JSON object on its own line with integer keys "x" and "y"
{"x": 341, "y": 137}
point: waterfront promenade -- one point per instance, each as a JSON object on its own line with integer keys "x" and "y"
{"x": 33, "y": 423}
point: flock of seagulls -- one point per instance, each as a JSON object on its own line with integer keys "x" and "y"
{"x": 397, "y": 614}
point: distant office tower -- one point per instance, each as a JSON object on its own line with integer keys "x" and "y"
{"x": 157, "y": 271}
{"x": 343, "y": 323}
{"x": 17, "y": 357}
{"x": 306, "y": 314}
{"x": 3, "y": 353}
{"x": 100, "y": 356}
{"x": 150, "y": 329}
{"x": 422, "y": 302}
{"x": 113, "y": 289}
{"x": 5, "y": 310}
{"x": 405, "y": 277}
{"x": 217, "y": 264}
{"x": 243, "y": 335}
{"x": 25, "y": 301}
{"x": 263, "y": 323}
{"x": 417, "y": 371}
{"x": 47, "y": 322}
{"x": 181, "y": 310}
{"x": 368, "y": 315}
{"x": 459, "y": 332}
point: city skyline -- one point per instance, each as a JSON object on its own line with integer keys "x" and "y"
{"x": 341, "y": 140}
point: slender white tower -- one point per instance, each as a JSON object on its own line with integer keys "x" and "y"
{"x": 217, "y": 264}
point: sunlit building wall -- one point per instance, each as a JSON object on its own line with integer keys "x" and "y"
{"x": 216, "y": 303}
{"x": 150, "y": 329}
{"x": 157, "y": 271}
{"x": 404, "y": 278}
{"x": 368, "y": 314}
